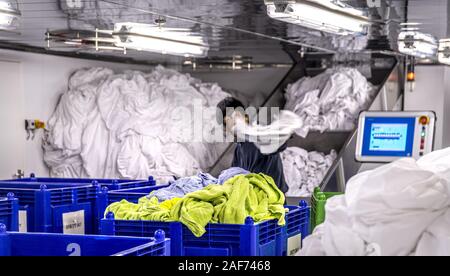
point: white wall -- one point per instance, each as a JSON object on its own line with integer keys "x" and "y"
{"x": 446, "y": 118}
{"x": 420, "y": 11}
{"x": 433, "y": 84}
{"x": 12, "y": 144}
{"x": 429, "y": 95}
{"x": 43, "y": 78}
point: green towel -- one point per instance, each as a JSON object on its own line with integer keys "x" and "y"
{"x": 254, "y": 195}
{"x": 146, "y": 209}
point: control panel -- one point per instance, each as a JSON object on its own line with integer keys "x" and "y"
{"x": 386, "y": 136}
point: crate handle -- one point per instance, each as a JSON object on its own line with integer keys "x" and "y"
{"x": 2, "y": 229}
{"x": 160, "y": 235}
{"x": 249, "y": 221}
{"x": 303, "y": 204}
{"x": 110, "y": 216}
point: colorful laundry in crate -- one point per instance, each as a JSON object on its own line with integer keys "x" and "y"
{"x": 230, "y": 173}
{"x": 183, "y": 186}
{"x": 254, "y": 195}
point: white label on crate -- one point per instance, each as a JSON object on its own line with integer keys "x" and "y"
{"x": 73, "y": 223}
{"x": 23, "y": 227}
{"x": 294, "y": 245}
{"x": 74, "y": 249}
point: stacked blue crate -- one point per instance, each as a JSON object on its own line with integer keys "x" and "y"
{"x": 297, "y": 228}
{"x": 58, "y": 208}
{"x": 111, "y": 184}
{"x": 250, "y": 239}
{"x": 46, "y": 202}
{"x": 34, "y": 244}
{"x": 9, "y": 212}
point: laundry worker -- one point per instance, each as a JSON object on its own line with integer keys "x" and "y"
{"x": 247, "y": 155}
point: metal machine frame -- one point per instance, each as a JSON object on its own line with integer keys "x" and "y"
{"x": 390, "y": 98}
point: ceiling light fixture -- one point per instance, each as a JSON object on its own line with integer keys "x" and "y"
{"x": 332, "y": 16}
{"x": 9, "y": 15}
{"x": 158, "y": 39}
{"x": 410, "y": 24}
{"x": 417, "y": 44}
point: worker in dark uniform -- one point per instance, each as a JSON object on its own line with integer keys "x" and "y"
{"x": 247, "y": 155}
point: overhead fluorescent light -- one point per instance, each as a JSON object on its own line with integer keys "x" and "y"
{"x": 158, "y": 39}
{"x": 9, "y": 15}
{"x": 444, "y": 51}
{"x": 417, "y": 44}
{"x": 324, "y": 15}
{"x": 409, "y": 29}
{"x": 410, "y": 24}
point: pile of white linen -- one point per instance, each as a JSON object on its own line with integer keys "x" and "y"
{"x": 329, "y": 101}
{"x": 400, "y": 209}
{"x": 304, "y": 170}
{"x": 111, "y": 125}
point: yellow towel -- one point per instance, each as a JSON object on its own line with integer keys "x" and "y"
{"x": 254, "y": 195}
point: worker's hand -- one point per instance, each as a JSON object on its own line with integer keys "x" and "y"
{"x": 236, "y": 122}
{"x": 229, "y": 125}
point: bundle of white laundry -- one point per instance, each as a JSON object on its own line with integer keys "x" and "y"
{"x": 330, "y": 101}
{"x": 111, "y": 125}
{"x": 305, "y": 170}
{"x": 400, "y": 209}
{"x": 270, "y": 137}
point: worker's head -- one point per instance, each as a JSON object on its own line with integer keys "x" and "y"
{"x": 231, "y": 111}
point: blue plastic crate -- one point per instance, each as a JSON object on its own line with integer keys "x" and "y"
{"x": 111, "y": 184}
{"x": 31, "y": 244}
{"x": 9, "y": 212}
{"x": 133, "y": 194}
{"x": 297, "y": 228}
{"x": 261, "y": 239}
{"x": 57, "y": 208}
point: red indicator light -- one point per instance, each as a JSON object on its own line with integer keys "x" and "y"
{"x": 424, "y": 120}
